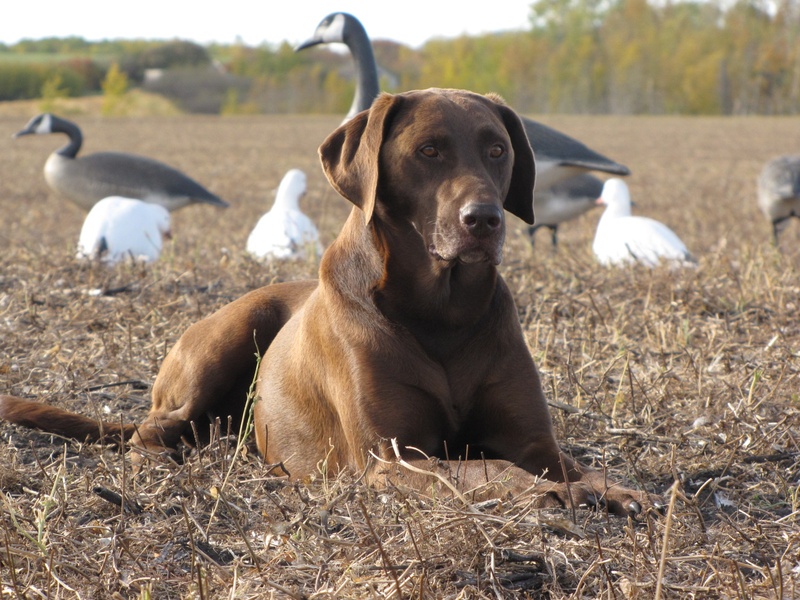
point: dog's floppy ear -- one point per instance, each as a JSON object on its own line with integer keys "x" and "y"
{"x": 350, "y": 155}
{"x": 519, "y": 200}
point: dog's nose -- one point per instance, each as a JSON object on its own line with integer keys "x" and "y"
{"x": 481, "y": 220}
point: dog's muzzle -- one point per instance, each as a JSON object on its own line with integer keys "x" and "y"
{"x": 477, "y": 237}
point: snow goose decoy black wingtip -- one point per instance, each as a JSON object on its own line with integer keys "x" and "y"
{"x": 88, "y": 179}
{"x": 779, "y": 192}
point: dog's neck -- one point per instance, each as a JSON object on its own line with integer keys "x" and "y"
{"x": 390, "y": 267}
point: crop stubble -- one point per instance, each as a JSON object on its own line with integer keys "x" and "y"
{"x": 662, "y": 375}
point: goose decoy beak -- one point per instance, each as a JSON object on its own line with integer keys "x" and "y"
{"x": 330, "y": 30}
{"x": 39, "y": 124}
{"x": 28, "y": 130}
{"x": 307, "y": 44}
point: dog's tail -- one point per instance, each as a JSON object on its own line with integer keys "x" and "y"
{"x": 36, "y": 415}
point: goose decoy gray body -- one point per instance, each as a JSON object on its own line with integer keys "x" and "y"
{"x": 88, "y": 179}
{"x": 563, "y": 201}
{"x": 779, "y": 191}
{"x": 558, "y": 156}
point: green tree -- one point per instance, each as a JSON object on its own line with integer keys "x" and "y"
{"x": 574, "y": 64}
{"x": 115, "y": 86}
{"x": 52, "y": 92}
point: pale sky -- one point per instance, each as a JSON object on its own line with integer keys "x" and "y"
{"x": 412, "y": 22}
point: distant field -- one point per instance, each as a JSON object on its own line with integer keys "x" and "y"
{"x": 136, "y": 103}
{"x": 49, "y": 57}
{"x": 691, "y": 375}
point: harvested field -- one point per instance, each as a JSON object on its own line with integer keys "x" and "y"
{"x": 683, "y": 382}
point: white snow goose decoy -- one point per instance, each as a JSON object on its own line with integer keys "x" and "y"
{"x": 564, "y": 201}
{"x": 87, "y": 179}
{"x": 622, "y": 238}
{"x": 558, "y": 156}
{"x": 118, "y": 229}
{"x": 285, "y": 233}
{"x": 779, "y": 192}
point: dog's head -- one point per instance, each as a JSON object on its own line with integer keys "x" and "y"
{"x": 445, "y": 161}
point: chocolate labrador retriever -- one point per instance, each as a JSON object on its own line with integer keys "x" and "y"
{"x": 410, "y": 335}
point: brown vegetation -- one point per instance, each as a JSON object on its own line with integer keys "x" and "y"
{"x": 665, "y": 376}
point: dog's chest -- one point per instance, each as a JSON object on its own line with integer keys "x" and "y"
{"x": 432, "y": 406}
{"x": 438, "y": 384}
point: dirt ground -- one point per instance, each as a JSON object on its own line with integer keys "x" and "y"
{"x": 682, "y": 382}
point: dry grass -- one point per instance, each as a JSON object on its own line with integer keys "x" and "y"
{"x": 690, "y": 377}
{"x": 134, "y": 103}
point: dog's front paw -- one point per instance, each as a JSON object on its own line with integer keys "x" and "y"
{"x": 627, "y": 502}
{"x": 563, "y": 495}
{"x": 618, "y": 500}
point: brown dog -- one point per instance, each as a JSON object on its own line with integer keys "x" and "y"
{"x": 409, "y": 335}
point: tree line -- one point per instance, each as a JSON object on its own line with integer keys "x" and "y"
{"x": 577, "y": 56}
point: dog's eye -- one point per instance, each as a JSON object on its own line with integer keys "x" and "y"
{"x": 429, "y": 151}
{"x": 497, "y": 151}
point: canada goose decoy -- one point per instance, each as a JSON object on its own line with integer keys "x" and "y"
{"x": 284, "y": 232}
{"x": 346, "y": 29}
{"x": 622, "y": 238}
{"x": 779, "y": 192}
{"x": 87, "y": 179}
{"x": 119, "y": 228}
{"x": 563, "y": 201}
{"x": 558, "y": 156}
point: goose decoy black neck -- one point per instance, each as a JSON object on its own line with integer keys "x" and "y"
{"x": 49, "y": 123}
{"x": 346, "y": 29}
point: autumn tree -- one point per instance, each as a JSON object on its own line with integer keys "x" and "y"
{"x": 115, "y": 85}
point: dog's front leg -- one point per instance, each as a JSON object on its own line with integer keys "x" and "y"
{"x": 602, "y": 490}
{"x": 478, "y": 480}
{"x": 473, "y": 480}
